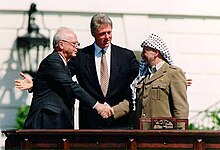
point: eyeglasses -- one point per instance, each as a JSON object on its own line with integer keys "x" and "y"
{"x": 77, "y": 44}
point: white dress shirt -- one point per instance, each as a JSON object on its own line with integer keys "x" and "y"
{"x": 98, "y": 56}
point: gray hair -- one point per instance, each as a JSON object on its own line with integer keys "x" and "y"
{"x": 99, "y": 19}
{"x": 60, "y": 35}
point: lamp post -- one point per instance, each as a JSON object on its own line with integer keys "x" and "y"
{"x": 32, "y": 45}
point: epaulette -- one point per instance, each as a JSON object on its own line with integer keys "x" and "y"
{"x": 173, "y": 67}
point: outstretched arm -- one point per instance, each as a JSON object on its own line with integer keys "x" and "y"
{"x": 24, "y": 84}
{"x": 188, "y": 82}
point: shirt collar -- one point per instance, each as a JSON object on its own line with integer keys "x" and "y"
{"x": 98, "y": 49}
{"x": 157, "y": 67}
{"x": 65, "y": 63}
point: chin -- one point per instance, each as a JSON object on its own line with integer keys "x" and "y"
{"x": 74, "y": 55}
{"x": 107, "y": 45}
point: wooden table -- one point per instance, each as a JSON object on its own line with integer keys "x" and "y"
{"x": 112, "y": 139}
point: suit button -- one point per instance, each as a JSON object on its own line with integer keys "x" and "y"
{"x": 145, "y": 96}
{"x": 143, "y": 115}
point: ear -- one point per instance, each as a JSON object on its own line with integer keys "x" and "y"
{"x": 60, "y": 45}
{"x": 157, "y": 53}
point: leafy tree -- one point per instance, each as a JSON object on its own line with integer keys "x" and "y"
{"x": 21, "y": 116}
{"x": 214, "y": 116}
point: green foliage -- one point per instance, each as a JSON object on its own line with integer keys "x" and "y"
{"x": 199, "y": 127}
{"x": 193, "y": 127}
{"x": 21, "y": 116}
{"x": 214, "y": 116}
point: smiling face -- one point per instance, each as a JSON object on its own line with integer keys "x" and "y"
{"x": 103, "y": 36}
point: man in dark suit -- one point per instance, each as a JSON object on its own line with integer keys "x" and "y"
{"x": 53, "y": 88}
{"x": 122, "y": 68}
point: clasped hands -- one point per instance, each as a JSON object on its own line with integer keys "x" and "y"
{"x": 104, "y": 110}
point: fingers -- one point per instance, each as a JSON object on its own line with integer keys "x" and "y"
{"x": 17, "y": 81}
{"x": 188, "y": 82}
{"x": 25, "y": 83}
{"x": 18, "y": 84}
{"x": 112, "y": 111}
{"x": 104, "y": 110}
{"x": 107, "y": 112}
{"x": 22, "y": 75}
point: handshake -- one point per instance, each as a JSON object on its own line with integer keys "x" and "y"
{"x": 104, "y": 110}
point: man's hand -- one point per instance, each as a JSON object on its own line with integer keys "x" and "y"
{"x": 104, "y": 110}
{"x": 24, "y": 84}
{"x": 188, "y": 82}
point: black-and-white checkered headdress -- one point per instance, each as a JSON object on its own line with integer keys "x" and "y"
{"x": 155, "y": 42}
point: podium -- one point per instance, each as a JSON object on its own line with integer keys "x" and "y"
{"x": 112, "y": 139}
{"x": 163, "y": 123}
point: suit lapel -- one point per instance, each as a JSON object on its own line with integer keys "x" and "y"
{"x": 115, "y": 69}
{"x": 56, "y": 54}
{"x": 91, "y": 68}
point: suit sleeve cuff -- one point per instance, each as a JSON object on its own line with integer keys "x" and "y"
{"x": 95, "y": 105}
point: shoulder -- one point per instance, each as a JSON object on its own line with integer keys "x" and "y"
{"x": 122, "y": 49}
{"x": 176, "y": 70}
{"x": 87, "y": 48}
{"x": 52, "y": 58}
{"x": 122, "y": 52}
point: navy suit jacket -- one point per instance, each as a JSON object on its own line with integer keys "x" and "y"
{"x": 124, "y": 68}
{"x": 54, "y": 94}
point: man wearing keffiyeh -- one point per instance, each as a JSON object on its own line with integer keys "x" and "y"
{"x": 159, "y": 92}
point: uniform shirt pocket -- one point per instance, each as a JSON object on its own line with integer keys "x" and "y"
{"x": 159, "y": 91}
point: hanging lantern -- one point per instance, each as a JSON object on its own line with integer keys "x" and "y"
{"x": 33, "y": 45}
